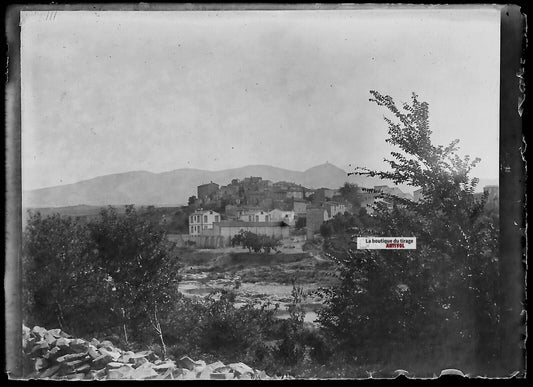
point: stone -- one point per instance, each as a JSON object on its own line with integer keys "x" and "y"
{"x": 102, "y": 361}
{"x": 241, "y": 368}
{"x": 63, "y": 343}
{"x": 39, "y": 331}
{"x": 28, "y": 344}
{"x": 52, "y": 354}
{"x": 91, "y": 375}
{"x": 79, "y": 346}
{"x": 50, "y": 339}
{"x": 70, "y": 357}
{"x": 55, "y": 332}
{"x": 125, "y": 357}
{"x": 205, "y": 374}
{"x": 65, "y": 335}
{"x": 75, "y": 363}
{"x": 94, "y": 342}
{"x": 137, "y": 360}
{"x": 69, "y": 367}
{"x": 50, "y": 371}
{"x": 40, "y": 364}
{"x": 221, "y": 375}
{"x": 223, "y": 370}
{"x": 164, "y": 366}
{"x": 216, "y": 365}
{"x": 75, "y": 376}
{"x": 187, "y": 362}
{"x": 167, "y": 375}
{"x": 114, "y": 354}
{"x": 100, "y": 374}
{"x": 246, "y": 376}
{"x": 39, "y": 349}
{"x": 114, "y": 364}
{"x": 188, "y": 375}
{"x": 150, "y": 355}
{"x": 93, "y": 352}
{"x": 261, "y": 375}
{"x": 124, "y": 372}
{"x": 179, "y": 372}
{"x": 144, "y": 371}
{"x": 200, "y": 366}
{"x": 106, "y": 343}
{"x": 83, "y": 368}
{"x": 26, "y": 333}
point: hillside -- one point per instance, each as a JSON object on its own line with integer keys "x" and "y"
{"x": 175, "y": 187}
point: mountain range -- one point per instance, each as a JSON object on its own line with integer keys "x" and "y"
{"x": 175, "y": 187}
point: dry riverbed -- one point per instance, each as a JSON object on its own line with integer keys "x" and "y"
{"x": 267, "y": 278}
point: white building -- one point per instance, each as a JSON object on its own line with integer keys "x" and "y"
{"x": 255, "y": 216}
{"x": 277, "y": 215}
{"x": 202, "y": 220}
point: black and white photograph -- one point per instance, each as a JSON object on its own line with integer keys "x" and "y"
{"x": 265, "y": 192}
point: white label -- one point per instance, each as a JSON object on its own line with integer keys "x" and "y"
{"x": 395, "y": 243}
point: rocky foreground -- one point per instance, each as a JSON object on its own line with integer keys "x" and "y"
{"x": 54, "y": 354}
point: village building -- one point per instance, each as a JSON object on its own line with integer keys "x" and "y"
{"x": 334, "y": 208}
{"x": 277, "y": 215}
{"x": 299, "y": 208}
{"x": 295, "y": 193}
{"x": 207, "y": 191}
{"x": 202, "y": 220}
{"x": 254, "y": 216}
{"x": 308, "y": 193}
{"x": 323, "y": 194}
{"x": 315, "y": 216}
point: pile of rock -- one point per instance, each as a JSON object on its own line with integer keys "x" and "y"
{"x": 55, "y": 354}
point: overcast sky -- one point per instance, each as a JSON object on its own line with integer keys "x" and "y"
{"x": 109, "y": 92}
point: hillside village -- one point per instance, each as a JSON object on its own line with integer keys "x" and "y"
{"x": 276, "y": 209}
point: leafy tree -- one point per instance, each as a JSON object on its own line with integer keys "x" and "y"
{"x": 291, "y": 348}
{"x": 60, "y": 283}
{"x": 138, "y": 262}
{"x": 192, "y": 200}
{"x": 436, "y": 300}
{"x": 326, "y": 229}
{"x": 254, "y": 242}
{"x": 350, "y": 192}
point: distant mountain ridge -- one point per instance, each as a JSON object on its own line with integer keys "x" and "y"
{"x": 175, "y": 187}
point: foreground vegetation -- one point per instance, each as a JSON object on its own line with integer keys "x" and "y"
{"x": 421, "y": 310}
